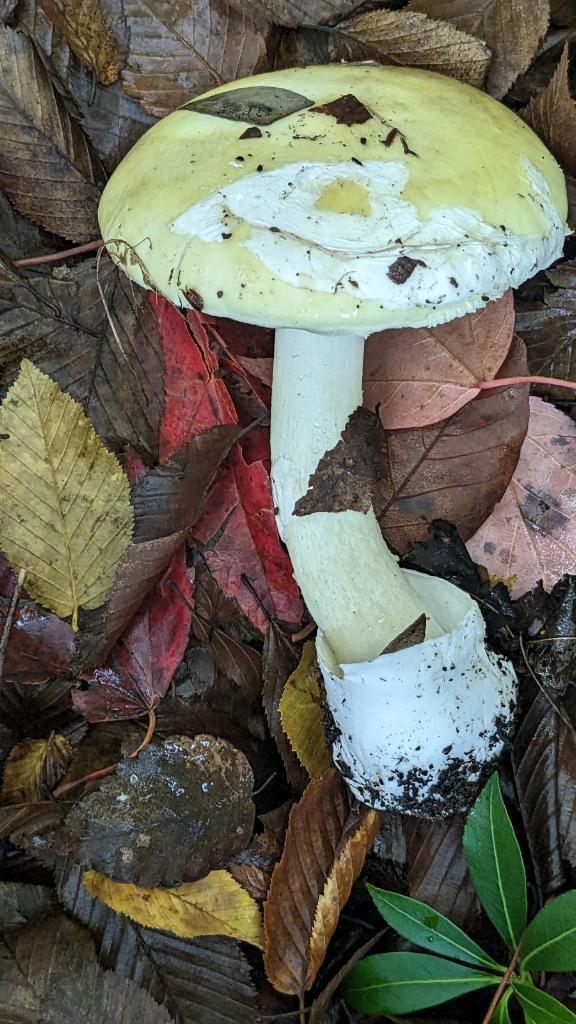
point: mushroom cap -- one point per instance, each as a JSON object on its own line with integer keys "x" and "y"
{"x": 338, "y": 197}
{"x": 416, "y": 730}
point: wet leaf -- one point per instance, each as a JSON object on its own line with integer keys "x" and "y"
{"x": 179, "y": 51}
{"x": 416, "y": 377}
{"x": 530, "y": 535}
{"x": 214, "y": 905}
{"x": 302, "y": 714}
{"x": 437, "y": 871}
{"x": 176, "y": 812}
{"x": 201, "y": 981}
{"x": 143, "y": 662}
{"x": 69, "y": 520}
{"x": 253, "y": 866}
{"x": 279, "y": 660}
{"x": 549, "y": 328}
{"x": 88, "y": 34}
{"x": 32, "y": 818}
{"x": 40, "y": 645}
{"x": 33, "y": 768}
{"x": 33, "y": 711}
{"x": 47, "y": 167}
{"x": 551, "y": 648}
{"x": 511, "y": 28}
{"x": 457, "y": 469}
{"x": 552, "y": 115}
{"x": 410, "y": 38}
{"x": 326, "y": 844}
{"x": 21, "y": 903}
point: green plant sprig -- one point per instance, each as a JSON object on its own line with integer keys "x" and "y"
{"x": 454, "y": 965}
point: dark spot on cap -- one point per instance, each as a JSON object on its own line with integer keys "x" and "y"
{"x": 252, "y": 133}
{"x": 403, "y": 268}
{"x": 226, "y": 234}
{"x": 453, "y": 282}
{"x": 219, "y": 293}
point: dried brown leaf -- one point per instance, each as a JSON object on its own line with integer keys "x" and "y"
{"x": 552, "y": 115}
{"x": 511, "y": 28}
{"x": 47, "y": 167}
{"x": 437, "y": 871}
{"x": 253, "y": 867}
{"x": 34, "y": 767}
{"x": 179, "y": 50}
{"x": 549, "y": 328}
{"x": 410, "y": 38}
{"x": 88, "y": 34}
{"x": 326, "y": 844}
{"x": 292, "y": 13}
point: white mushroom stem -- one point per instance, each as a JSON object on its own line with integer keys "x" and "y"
{"x": 350, "y": 581}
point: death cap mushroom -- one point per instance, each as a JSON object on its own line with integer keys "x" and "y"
{"x": 234, "y": 202}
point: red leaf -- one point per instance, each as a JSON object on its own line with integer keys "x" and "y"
{"x": 144, "y": 661}
{"x": 40, "y": 645}
{"x": 240, "y": 503}
{"x": 195, "y": 399}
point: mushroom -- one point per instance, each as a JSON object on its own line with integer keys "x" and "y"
{"x": 332, "y": 202}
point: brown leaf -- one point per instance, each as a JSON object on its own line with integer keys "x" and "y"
{"x": 511, "y": 28}
{"x": 253, "y": 866}
{"x": 32, "y": 818}
{"x": 34, "y": 767}
{"x": 201, "y": 981}
{"x": 178, "y": 51}
{"x": 437, "y": 872}
{"x": 321, "y": 1004}
{"x": 20, "y": 237}
{"x": 292, "y": 13}
{"x": 32, "y": 711}
{"x": 552, "y": 115}
{"x": 549, "y": 328}
{"x": 40, "y": 645}
{"x": 456, "y": 470}
{"x": 544, "y": 760}
{"x": 46, "y": 166}
{"x": 88, "y": 34}
{"x": 178, "y": 811}
{"x": 21, "y": 903}
{"x": 419, "y": 376}
{"x": 326, "y": 844}
{"x": 279, "y": 659}
{"x": 410, "y": 38}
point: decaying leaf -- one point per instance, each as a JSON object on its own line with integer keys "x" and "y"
{"x": 292, "y": 13}
{"x": 34, "y": 767}
{"x": 35, "y": 818}
{"x": 253, "y": 867}
{"x": 214, "y": 905}
{"x": 301, "y": 714}
{"x": 511, "y": 28}
{"x": 206, "y": 980}
{"x": 46, "y": 165}
{"x": 88, "y": 34}
{"x": 279, "y": 660}
{"x": 326, "y": 844}
{"x": 552, "y": 115}
{"x": 176, "y": 812}
{"x": 411, "y": 38}
{"x": 549, "y": 327}
{"x": 66, "y": 516}
{"x": 416, "y": 377}
{"x": 21, "y": 903}
{"x": 437, "y": 871}
{"x": 457, "y": 469}
{"x": 531, "y": 534}
{"x": 178, "y": 51}
{"x": 40, "y": 645}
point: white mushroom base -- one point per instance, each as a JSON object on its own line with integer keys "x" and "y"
{"x": 414, "y": 731}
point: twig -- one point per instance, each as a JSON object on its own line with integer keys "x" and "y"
{"x": 501, "y": 987}
{"x": 101, "y": 773}
{"x": 261, "y": 788}
{"x": 304, "y": 632}
{"x": 9, "y": 619}
{"x": 54, "y": 257}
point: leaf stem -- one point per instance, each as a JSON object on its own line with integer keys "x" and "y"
{"x": 502, "y": 986}
{"x": 304, "y": 632}
{"x": 9, "y": 619}
{"x": 66, "y": 787}
{"x": 506, "y": 382}
{"x": 302, "y": 1009}
{"x": 54, "y": 257}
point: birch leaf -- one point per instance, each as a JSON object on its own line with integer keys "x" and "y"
{"x": 214, "y": 905}
{"x": 88, "y": 35}
{"x": 301, "y": 714}
{"x": 65, "y": 513}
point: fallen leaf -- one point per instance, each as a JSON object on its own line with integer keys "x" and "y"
{"x": 21, "y": 903}
{"x": 214, "y": 905}
{"x": 411, "y": 38}
{"x": 34, "y": 818}
{"x": 419, "y": 376}
{"x": 253, "y": 867}
{"x": 544, "y": 761}
{"x": 326, "y": 844}
{"x": 20, "y": 237}
{"x": 549, "y": 328}
{"x": 143, "y": 662}
{"x": 33, "y": 711}
{"x": 239, "y": 509}
{"x": 47, "y": 167}
{"x": 291, "y": 13}
{"x": 176, "y": 812}
{"x": 531, "y": 534}
{"x": 33, "y": 768}
{"x": 201, "y": 981}
{"x": 302, "y": 714}
{"x": 552, "y": 115}
{"x": 66, "y": 518}
{"x": 437, "y": 871}
{"x": 551, "y": 649}
{"x": 179, "y": 51}
{"x": 511, "y": 28}
{"x": 88, "y": 34}
{"x": 279, "y": 660}
{"x": 319, "y": 1008}
{"x": 40, "y": 645}
{"x": 457, "y": 469}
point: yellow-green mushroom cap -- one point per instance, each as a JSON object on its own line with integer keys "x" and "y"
{"x": 337, "y": 197}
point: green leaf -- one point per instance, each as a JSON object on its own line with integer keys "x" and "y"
{"x": 425, "y": 927}
{"x": 539, "y": 1007}
{"x": 501, "y": 1014}
{"x": 495, "y": 863}
{"x": 403, "y": 982}
{"x": 549, "y": 942}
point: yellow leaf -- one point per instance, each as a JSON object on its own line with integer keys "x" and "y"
{"x": 301, "y": 714}
{"x": 88, "y": 34}
{"x": 65, "y": 513}
{"x": 33, "y": 768}
{"x": 214, "y": 905}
